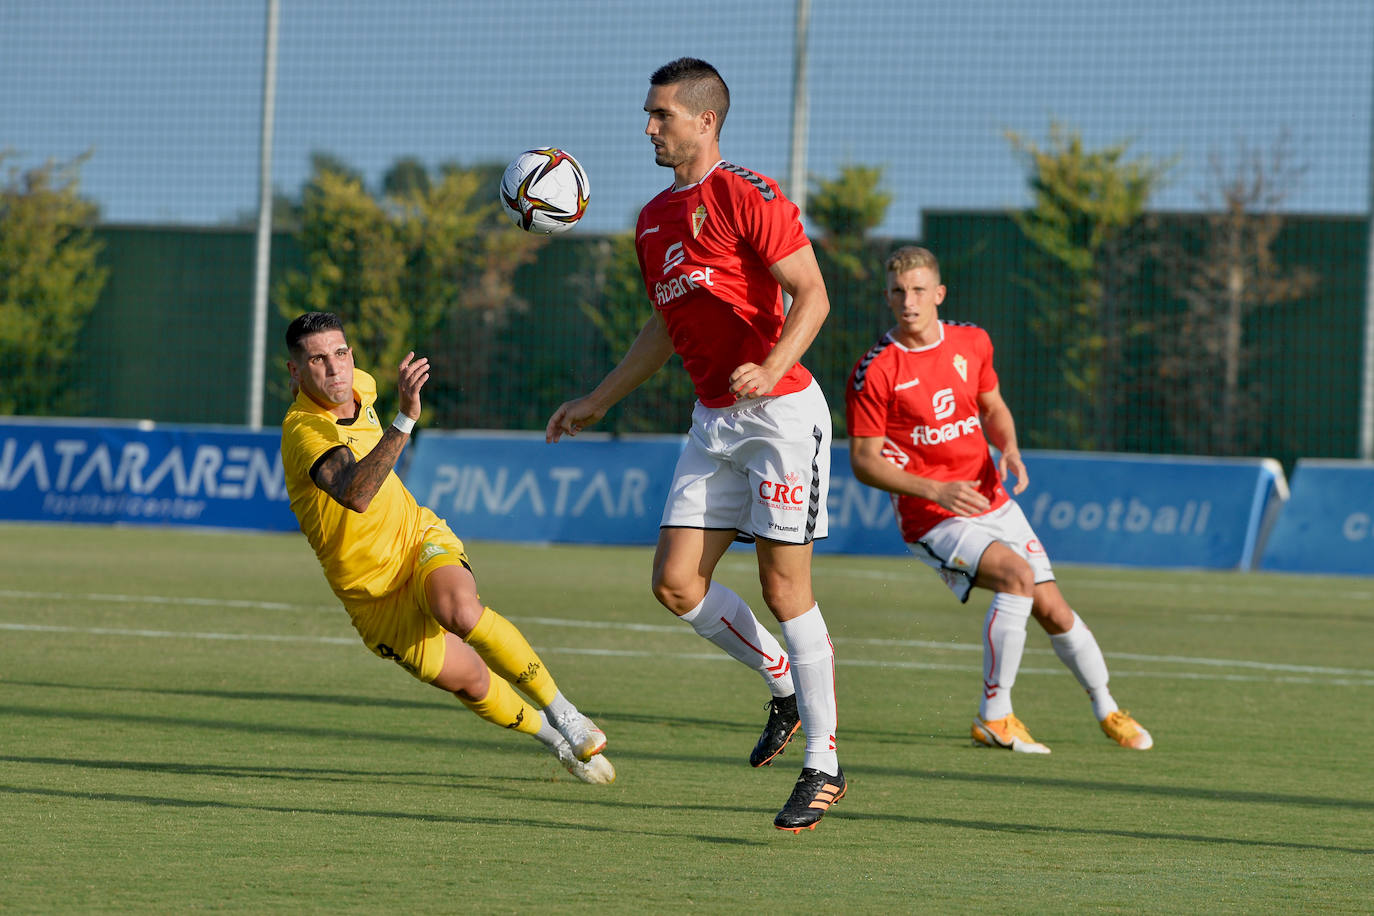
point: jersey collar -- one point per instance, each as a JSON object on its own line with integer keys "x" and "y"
{"x": 675, "y": 189}
{"x": 900, "y": 346}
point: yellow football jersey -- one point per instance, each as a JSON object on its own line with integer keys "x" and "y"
{"x": 365, "y": 555}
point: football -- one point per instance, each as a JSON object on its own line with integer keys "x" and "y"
{"x": 545, "y": 190}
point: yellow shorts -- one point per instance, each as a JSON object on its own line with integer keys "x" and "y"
{"x": 400, "y": 626}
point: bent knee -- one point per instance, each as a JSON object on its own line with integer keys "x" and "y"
{"x": 678, "y": 594}
{"x": 457, "y": 612}
{"x": 1004, "y": 571}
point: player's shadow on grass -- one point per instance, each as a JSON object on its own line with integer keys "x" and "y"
{"x": 328, "y": 699}
{"x": 851, "y": 810}
{"x": 749, "y": 730}
{"x": 1023, "y": 780}
{"x": 1060, "y": 830}
{"x": 244, "y": 771}
{"x": 502, "y": 822}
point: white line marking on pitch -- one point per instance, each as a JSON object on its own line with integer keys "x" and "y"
{"x": 161, "y": 599}
{"x": 912, "y": 572}
{"x": 97, "y": 597}
{"x": 975, "y": 647}
{"x": 1329, "y": 679}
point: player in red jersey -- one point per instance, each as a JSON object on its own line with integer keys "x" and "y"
{"x": 921, "y": 407}
{"x": 717, "y": 250}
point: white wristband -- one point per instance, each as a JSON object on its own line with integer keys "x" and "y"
{"x": 404, "y": 423}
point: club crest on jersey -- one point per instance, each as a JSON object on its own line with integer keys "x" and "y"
{"x": 961, "y": 366}
{"x": 372, "y": 416}
{"x": 698, "y": 220}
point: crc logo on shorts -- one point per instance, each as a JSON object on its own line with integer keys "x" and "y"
{"x": 788, "y": 493}
{"x": 943, "y": 402}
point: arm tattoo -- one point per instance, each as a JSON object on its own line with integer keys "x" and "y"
{"x": 353, "y": 483}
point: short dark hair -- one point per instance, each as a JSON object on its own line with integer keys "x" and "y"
{"x": 702, "y": 86}
{"x": 310, "y": 323}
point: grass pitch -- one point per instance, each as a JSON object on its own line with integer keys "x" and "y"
{"x": 189, "y": 722}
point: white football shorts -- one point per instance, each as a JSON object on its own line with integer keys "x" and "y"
{"x": 760, "y": 467}
{"x": 954, "y": 547}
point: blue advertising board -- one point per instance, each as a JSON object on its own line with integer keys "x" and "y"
{"x": 594, "y": 489}
{"x": 597, "y": 489}
{"x": 1328, "y": 524}
{"x": 862, "y": 520}
{"x": 1151, "y": 510}
{"x": 1087, "y": 508}
{"x": 140, "y": 473}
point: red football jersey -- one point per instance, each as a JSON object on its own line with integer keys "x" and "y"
{"x": 924, "y": 404}
{"x": 705, "y": 251}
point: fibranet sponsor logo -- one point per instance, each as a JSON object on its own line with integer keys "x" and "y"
{"x": 1132, "y": 516}
{"x": 942, "y": 402}
{"x": 948, "y": 432}
{"x": 666, "y": 291}
{"x": 673, "y": 256}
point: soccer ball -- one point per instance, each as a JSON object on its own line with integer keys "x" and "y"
{"x": 545, "y": 190}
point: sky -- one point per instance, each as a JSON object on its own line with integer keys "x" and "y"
{"x": 165, "y": 95}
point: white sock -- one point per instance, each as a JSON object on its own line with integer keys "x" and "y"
{"x": 547, "y": 734}
{"x": 813, "y": 671}
{"x": 560, "y": 707}
{"x": 724, "y": 619}
{"x": 1004, "y": 640}
{"x": 1077, "y": 648}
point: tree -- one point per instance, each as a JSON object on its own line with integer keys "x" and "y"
{"x": 49, "y": 283}
{"x": 426, "y": 265}
{"x": 407, "y": 175}
{"x": 615, "y": 302}
{"x": 847, "y": 208}
{"x": 1224, "y": 269}
{"x": 1089, "y": 236}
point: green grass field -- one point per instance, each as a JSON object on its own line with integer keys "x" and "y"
{"x": 190, "y": 723}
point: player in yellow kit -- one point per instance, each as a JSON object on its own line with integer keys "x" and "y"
{"x": 400, "y": 572}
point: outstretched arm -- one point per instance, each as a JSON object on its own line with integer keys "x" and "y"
{"x": 871, "y": 467}
{"x": 1000, "y": 428}
{"x": 352, "y": 483}
{"x": 646, "y": 356}
{"x": 800, "y": 277}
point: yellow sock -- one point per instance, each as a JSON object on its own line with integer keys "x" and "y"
{"x": 506, "y": 650}
{"x": 504, "y": 707}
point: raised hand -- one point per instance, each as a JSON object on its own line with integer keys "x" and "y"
{"x": 411, "y": 378}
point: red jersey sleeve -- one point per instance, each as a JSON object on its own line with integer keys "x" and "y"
{"x": 866, "y": 395}
{"x": 987, "y": 376}
{"x": 769, "y": 222}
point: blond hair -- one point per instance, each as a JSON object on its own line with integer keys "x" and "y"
{"x": 910, "y": 257}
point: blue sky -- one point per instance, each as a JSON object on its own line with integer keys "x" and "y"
{"x": 165, "y": 94}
